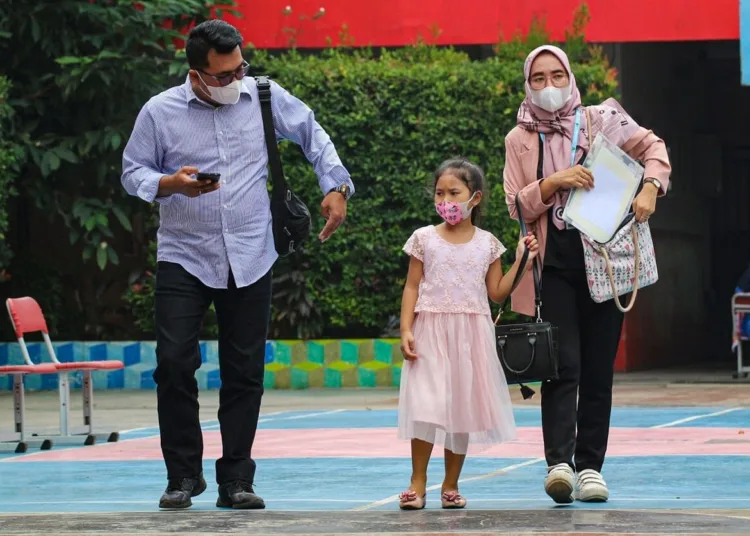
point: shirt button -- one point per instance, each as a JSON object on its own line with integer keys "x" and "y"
{"x": 224, "y": 181}
{"x": 226, "y": 206}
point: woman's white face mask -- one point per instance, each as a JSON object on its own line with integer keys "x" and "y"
{"x": 551, "y": 98}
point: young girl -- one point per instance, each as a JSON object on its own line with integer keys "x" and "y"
{"x": 453, "y": 390}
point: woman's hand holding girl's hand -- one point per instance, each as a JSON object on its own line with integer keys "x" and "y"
{"x": 407, "y": 346}
{"x": 531, "y": 242}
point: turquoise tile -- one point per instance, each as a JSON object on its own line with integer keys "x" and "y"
{"x": 211, "y": 349}
{"x": 350, "y": 352}
{"x": 316, "y": 353}
{"x": 101, "y": 379}
{"x": 134, "y": 375}
{"x": 282, "y": 353}
{"x": 148, "y": 352}
{"x": 97, "y": 352}
{"x": 202, "y": 375}
{"x": 65, "y": 352}
{"x": 32, "y": 382}
{"x": 131, "y": 353}
{"x": 384, "y": 352}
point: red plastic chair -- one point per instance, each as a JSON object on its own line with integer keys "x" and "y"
{"x": 20, "y": 443}
{"x": 27, "y": 317}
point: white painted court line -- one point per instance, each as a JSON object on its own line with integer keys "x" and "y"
{"x": 210, "y": 422}
{"x": 305, "y": 416}
{"x": 696, "y": 417}
{"x": 508, "y": 469}
{"x": 290, "y": 418}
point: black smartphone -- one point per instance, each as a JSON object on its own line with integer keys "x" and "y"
{"x": 213, "y": 177}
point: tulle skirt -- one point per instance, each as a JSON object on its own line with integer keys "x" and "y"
{"x": 455, "y": 393}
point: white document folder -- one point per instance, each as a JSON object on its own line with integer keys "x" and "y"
{"x": 600, "y": 211}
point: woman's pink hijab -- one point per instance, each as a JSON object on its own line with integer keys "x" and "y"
{"x": 608, "y": 118}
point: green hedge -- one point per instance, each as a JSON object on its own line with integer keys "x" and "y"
{"x": 394, "y": 117}
{"x": 9, "y": 156}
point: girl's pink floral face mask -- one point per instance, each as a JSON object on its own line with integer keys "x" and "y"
{"x": 452, "y": 212}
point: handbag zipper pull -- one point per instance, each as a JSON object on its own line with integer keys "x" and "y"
{"x": 527, "y": 392}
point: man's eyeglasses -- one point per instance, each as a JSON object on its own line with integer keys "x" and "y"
{"x": 226, "y": 79}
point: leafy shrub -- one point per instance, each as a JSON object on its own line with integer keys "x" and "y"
{"x": 9, "y": 155}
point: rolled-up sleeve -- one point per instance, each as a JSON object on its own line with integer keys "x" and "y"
{"x": 650, "y": 149}
{"x": 142, "y": 158}
{"x": 295, "y": 121}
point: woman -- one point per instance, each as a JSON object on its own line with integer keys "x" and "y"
{"x": 581, "y": 399}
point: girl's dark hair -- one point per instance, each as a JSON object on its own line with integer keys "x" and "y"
{"x": 471, "y": 175}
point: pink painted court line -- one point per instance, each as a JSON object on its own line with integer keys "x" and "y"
{"x": 383, "y": 443}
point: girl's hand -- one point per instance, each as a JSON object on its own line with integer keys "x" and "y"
{"x": 407, "y": 346}
{"x": 531, "y": 242}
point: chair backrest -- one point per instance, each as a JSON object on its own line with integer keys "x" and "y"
{"x": 26, "y": 316}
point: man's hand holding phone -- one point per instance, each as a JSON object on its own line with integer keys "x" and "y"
{"x": 183, "y": 182}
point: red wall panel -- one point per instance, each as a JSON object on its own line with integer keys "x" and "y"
{"x": 399, "y": 22}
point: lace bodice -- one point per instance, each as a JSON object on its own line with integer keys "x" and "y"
{"x": 455, "y": 275}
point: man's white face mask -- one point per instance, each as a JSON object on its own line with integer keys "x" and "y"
{"x": 551, "y": 98}
{"x": 229, "y": 94}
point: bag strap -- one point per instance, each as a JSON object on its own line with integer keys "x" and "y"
{"x": 603, "y": 250}
{"x": 522, "y": 269}
{"x": 280, "y": 187}
{"x": 637, "y": 276}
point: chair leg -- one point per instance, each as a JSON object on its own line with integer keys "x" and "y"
{"x": 19, "y": 406}
{"x": 88, "y": 406}
{"x": 18, "y": 445}
{"x": 64, "y": 388}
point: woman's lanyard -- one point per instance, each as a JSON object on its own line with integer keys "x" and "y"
{"x": 573, "y": 146}
{"x": 574, "y": 141}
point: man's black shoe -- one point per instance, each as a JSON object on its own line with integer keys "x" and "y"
{"x": 239, "y": 495}
{"x": 180, "y": 490}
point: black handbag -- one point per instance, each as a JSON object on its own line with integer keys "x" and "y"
{"x": 292, "y": 222}
{"x": 527, "y": 352}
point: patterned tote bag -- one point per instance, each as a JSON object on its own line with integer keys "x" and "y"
{"x": 624, "y": 264}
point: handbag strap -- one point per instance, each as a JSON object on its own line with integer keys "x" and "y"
{"x": 603, "y": 249}
{"x": 280, "y": 187}
{"x": 636, "y": 277}
{"x": 522, "y": 269}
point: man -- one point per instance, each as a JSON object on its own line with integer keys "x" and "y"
{"x": 215, "y": 245}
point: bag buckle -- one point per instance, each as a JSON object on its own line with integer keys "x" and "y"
{"x": 539, "y": 313}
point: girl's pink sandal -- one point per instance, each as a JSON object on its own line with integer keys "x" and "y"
{"x": 452, "y": 499}
{"x": 411, "y": 501}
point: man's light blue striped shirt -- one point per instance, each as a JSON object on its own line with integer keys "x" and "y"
{"x": 230, "y": 227}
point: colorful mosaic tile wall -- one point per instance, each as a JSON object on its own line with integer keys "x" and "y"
{"x": 289, "y": 364}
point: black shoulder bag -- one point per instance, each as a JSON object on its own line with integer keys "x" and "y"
{"x": 527, "y": 352}
{"x": 292, "y": 222}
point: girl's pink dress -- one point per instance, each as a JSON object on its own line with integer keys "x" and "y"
{"x": 455, "y": 392}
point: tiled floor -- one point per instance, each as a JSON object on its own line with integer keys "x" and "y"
{"x": 329, "y": 462}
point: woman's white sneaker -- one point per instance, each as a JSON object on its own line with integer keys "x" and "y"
{"x": 560, "y": 483}
{"x": 592, "y": 487}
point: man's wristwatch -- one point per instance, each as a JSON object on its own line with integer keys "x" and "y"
{"x": 343, "y": 190}
{"x": 653, "y": 181}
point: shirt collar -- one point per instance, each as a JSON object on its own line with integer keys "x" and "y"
{"x": 191, "y": 96}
